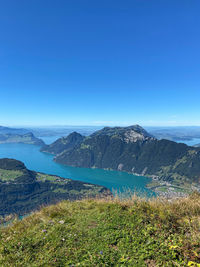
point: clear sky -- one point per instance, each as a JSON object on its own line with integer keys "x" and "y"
{"x": 99, "y": 62}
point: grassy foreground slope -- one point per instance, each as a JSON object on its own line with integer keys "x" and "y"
{"x": 106, "y": 233}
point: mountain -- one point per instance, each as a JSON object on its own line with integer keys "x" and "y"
{"x": 63, "y": 144}
{"x": 22, "y": 190}
{"x": 134, "y": 150}
{"x": 27, "y": 138}
{"x": 8, "y": 130}
{"x": 128, "y": 134}
{"x": 62, "y": 130}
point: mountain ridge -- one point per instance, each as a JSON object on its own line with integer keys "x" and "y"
{"x": 134, "y": 150}
{"x": 63, "y": 143}
{"x": 9, "y": 130}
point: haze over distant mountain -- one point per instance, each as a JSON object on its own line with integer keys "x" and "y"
{"x": 181, "y": 133}
{"x": 50, "y": 130}
{"x": 132, "y": 149}
{"x": 9, "y": 130}
{"x": 62, "y": 130}
{"x": 27, "y": 138}
{"x": 22, "y": 190}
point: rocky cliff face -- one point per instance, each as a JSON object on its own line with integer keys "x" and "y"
{"x": 128, "y": 134}
{"x": 132, "y": 149}
{"x": 22, "y": 190}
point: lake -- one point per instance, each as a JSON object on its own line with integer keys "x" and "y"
{"x": 192, "y": 142}
{"x": 43, "y": 162}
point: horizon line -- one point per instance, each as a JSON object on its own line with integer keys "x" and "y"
{"x": 92, "y": 125}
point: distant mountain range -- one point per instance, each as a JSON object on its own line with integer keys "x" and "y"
{"x": 181, "y": 133}
{"x": 27, "y": 138}
{"x": 130, "y": 149}
{"x": 50, "y": 131}
{"x": 8, "y": 130}
{"x": 22, "y": 190}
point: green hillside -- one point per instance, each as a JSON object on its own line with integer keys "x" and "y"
{"x": 63, "y": 144}
{"x": 133, "y": 150}
{"x": 106, "y": 232}
{"x": 22, "y": 190}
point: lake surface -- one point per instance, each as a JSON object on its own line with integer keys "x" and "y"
{"x": 192, "y": 142}
{"x": 43, "y": 162}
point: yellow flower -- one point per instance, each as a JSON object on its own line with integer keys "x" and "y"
{"x": 195, "y": 253}
{"x": 194, "y": 264}
{"x": 173, "y": 247}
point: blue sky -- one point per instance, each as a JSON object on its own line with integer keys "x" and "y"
{"x": 102, "y": 62}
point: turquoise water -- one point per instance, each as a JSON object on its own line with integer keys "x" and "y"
{"x": 43, "y": 162}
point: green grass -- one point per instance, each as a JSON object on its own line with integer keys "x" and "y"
{"x": 59, "y": 190}
{"x": 162, "y": 188}
{"x": 176, "y": 185}
{"x": 42, "y": 177}
{"x": 106, "y": 232}
{"x": 84, "y": 146}
{"x": 9, "y": 175}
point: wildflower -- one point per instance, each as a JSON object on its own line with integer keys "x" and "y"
{"x": 61, "y": 222}
{"x": 192, "y": 263}
{"x": 101, "y": 252}
{"x": 44, "y": 230}
{"x": 173, "y": 247}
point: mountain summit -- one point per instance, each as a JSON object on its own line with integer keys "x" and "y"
{"x": 134, "y": 150}
{"x": 129, "y": 134}
{"x": 63, "y": 144}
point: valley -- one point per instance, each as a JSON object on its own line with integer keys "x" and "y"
{"x": 23, "y": 191}
{"x": 173, "y": 166}
{"x": 131, "y": 151}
